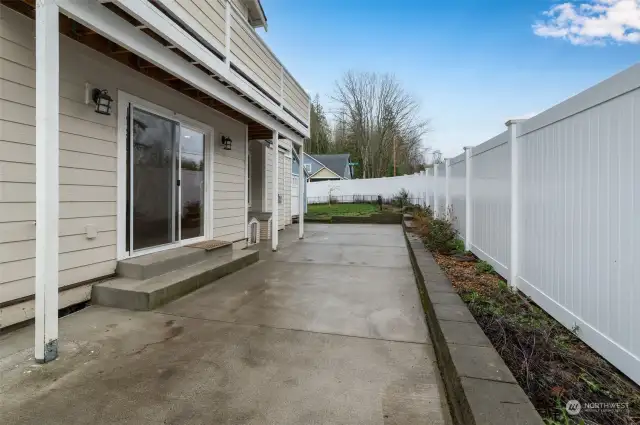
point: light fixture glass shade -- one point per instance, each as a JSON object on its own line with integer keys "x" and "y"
{"x": 226, "y": 143}
{"x": 102, "y": 101}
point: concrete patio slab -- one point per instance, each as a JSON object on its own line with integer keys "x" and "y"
{"x": 351, "y": 229}
{"x": 370, "y": 302}
{"x": 358, "y": 239}
{"x": 349, "y": 255}
{"x": 280, "y": 342}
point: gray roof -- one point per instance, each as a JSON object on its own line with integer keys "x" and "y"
{"x": 337, "y": 163}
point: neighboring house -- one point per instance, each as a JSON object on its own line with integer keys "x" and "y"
{"x": 328, "y": 167}
{"x": 199, "y": 103}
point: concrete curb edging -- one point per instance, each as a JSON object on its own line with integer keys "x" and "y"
{"x": 480, "y": 387}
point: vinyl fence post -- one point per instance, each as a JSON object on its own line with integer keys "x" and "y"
{"x": 447, "y": 189}
{"x": 514, "y": 265}
{"x": 468, "y": 202}
{"x": 435, "y": 190}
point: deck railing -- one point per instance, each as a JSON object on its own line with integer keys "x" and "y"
{"x": 225, "y": 28}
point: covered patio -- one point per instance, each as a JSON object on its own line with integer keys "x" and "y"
{"x": 328, "y": 329}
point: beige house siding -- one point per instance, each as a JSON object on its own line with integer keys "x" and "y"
{"x": 257, "y": 175}
{"x": 268, "y": 155}
{"x": 325, "y": 174}
{"x": 242, "y": 7}
{"x": 88, "y": 160}
{"x": 287, "y": 189}
{"x": 281, "y": 190}
{"x": 284, "y": 183}
{"x": 209, "y": 14}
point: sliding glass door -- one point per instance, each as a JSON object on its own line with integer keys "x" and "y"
{"x": 192, "y": 180}
{"x": 166, "y": 169}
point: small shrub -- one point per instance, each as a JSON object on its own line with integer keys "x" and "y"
{"x": 458, "y": 246}
{"x": 440, "y": 236}
{"x": 484, "y": 267}
{"x": 428, "y": 211}
{"x": 401, "y": 199}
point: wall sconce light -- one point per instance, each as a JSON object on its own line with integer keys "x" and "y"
{"x": 226, "y": 143}
{"x": 102, "y": 100}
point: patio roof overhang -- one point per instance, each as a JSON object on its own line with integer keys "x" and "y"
{"x": 114, "y": 32}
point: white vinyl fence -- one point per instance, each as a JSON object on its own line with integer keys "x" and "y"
{"x": 346, "y": 191}
{"x": 553, "y": 203}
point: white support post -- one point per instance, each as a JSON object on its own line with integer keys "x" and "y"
{"x": 468, "y": 202}
{"x": 47, "y": 158}
{"x": 274, "y": 193}
{"x": 227, "y": 33}
{"x": 435, "y": 190}
{"x": 514, "y": 266}
{"x": 302, "y": 181}
{"x": 246, "y": 185}
{"x": 447, "y": 189}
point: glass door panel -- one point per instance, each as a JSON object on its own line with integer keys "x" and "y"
{"x": 192, "y": 178}
{"x": 153, "y": 176}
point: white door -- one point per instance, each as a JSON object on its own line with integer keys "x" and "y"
{"x": 295, "y": 205}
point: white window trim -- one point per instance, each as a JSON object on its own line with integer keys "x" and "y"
{"x": 124, "y": 99}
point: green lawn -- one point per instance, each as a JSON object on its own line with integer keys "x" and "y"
{"x": 321, "y": 211}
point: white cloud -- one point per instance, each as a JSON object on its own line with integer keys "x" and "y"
{"x": 592, "y": 22}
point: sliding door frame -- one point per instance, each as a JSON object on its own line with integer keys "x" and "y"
{"x": 124, "y": 101}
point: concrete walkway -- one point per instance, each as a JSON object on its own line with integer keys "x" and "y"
{"x": 325, "y": 331}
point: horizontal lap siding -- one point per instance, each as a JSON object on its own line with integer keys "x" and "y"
{"x": 88, "y": 160}
{"x": 87, "y": 172}
{"x": 295, "y": 97}
{"x": 210, "y": 14}
{"x": 287, "y": 189}
{"x": 281, "y": 199}
{"x": 269, "y": 174}
{"x": 250, "y": 52}
{"x": 257, "y": 175}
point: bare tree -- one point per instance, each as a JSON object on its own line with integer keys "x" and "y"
{"x": 377, "y": 117}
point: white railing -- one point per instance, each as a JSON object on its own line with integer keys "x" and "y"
{"x": 252, "y": 56}
{"x": 555, "y": 208}
{"x": 224, "y": 27}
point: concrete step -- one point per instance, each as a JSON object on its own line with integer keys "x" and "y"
{"x": 159, "y": 263}
{"x": 134, "y": 294}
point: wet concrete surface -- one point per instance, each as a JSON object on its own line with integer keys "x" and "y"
{"x": 285, "y": 341}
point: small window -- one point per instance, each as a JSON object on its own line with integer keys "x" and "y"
{"x": 308, "y": 168}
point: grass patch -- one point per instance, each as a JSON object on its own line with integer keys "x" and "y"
{"x": 326, "y": 211}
